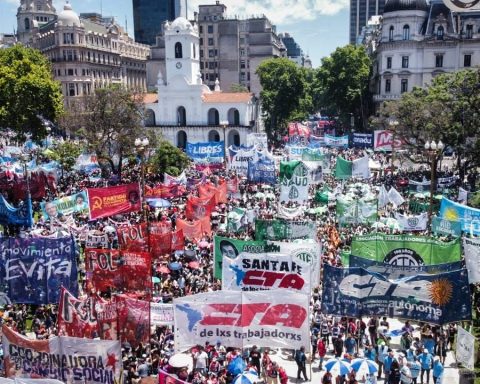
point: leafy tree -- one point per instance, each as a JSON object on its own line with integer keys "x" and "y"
{"x": 238, "y": 88}
{"x": 110, "y": 120}
{"x": 28, "y": 92}
{"x": 341, "y": 83}
{"x": 283, "y": 88}
{"x": 66, "y": 153}
{"x": 447, "y": 110}
{"x": 170, "y": 159}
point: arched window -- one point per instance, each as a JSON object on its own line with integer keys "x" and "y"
{"x": 181, "y": 139}
{"x": 390, "y": 33}
{"x": 178, "y": 51}
{"x": 233, "y": 117}
{"x": 440, "y": 32}
{"x": 233, "y": 138}
{"x": 194, "y": 51}
{"x": 213, "y": 118}
{"x": 213, "y": 135}
{"x": 406, "y": 32}
{"x": 181, "y": 116}
{"x": 149, "y": 118}
{"x": 27, "y": 23}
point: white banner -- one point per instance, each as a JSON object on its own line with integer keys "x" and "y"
{"x": 258, "y": 141}
{"x": 172, "y": 180}
{"x": 465, "y": 349}
{"x": 471, "y": 248}
{"x": 238, "y": 159}
{"x": 412, "y": 223}
{"x": 68, "y": 359}
{"x": 96, "y": 239}
{"x": 395, "y": 197}
{"x": 161, "y": 314}
{"x": 289, "y": 213}
{"x": 273, "y": 319}
{"x": 360, "y": 168}
{"x": 263, "y": 271}
{"x": 296, "y": 188}
{"x": 315, "y": 170}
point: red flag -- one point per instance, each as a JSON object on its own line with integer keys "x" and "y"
{"x": 133, "y": 238}
{"x": 133, "y": 320}
{"x": 198, "y": 208}
{"x": 207, "y": 191}
{"x": 109, "y": 201}
{"x": 160, "y": 244}
{"x": 76, "y": 317}
{"x": 160, "y": 227}
{"x": 191, "y": 231}
{"x": 178, "y": 240}
{"x": 165, "y": 191}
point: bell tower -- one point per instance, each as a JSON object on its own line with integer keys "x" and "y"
{"x": 32, "y": 14}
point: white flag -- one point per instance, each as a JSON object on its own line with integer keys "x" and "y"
{"x": 360, "y": 168}
{"x": 382, "y": 197}
{"x": 465, "y": 350}
{"x": 395, "y": 198}
{"x": 471, "y": 248}
{"x": 462, "y": 195}
{"x": 412, "y": 223}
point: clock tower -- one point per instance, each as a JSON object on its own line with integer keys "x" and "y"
{"x": 182, "y": 56}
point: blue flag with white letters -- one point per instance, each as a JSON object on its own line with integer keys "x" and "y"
{"x": 208, "y": 152}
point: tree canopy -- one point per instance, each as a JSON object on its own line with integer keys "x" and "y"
{"x": 28, "y": 92}
{"x": 169, "y": 159}
{"x": 341, "y": 83}
{"x": 283, "y": 89}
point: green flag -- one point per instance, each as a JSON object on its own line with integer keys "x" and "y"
{"x": 343, "y": 168}
{"x": 287, "y": 168}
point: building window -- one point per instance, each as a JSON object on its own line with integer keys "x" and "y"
{"x": 26, "y": 23}
{"x": 70, "y": 72}
{"x": 404, "y": 61}
{"x": 201, "y": 65}
{"x": 390, "y": 34}
{"x": 406, "y": 32}
{"x": 201, "y": 41}
{"x": 211, "y": 53}
{"x": 178, "y": 51}
{"x": 210, "y": 29}
{"x": 71, "y": 89}
{"x": 438, "y": 61}
{"x": 389, "y": 63}
{"x": 210, "y": 41}
{"x": 388, "y": 85}
{"x": 404, "y": 86}
{"x": 467, "y": 60}
{"x": 242, "y": 51}
{"x": 201, "y": 53}
{"x": 469, "y": 34}
{"x": 242, "y": 64}
{"x": 211, "y": 65}
{"x": 440, "y": 32}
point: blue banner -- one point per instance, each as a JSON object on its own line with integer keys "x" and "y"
{"x": 262, "y": 171}
{"x": 356, "y": 292}
{"x": 17, "y": 216}
{"x": 393, "y": 272}
{"x": 33, "y": 270}
{"x": 362, "y": 140}
{"x": 467, "y": 216}
{"x": 205, "y": 151}
{"x": 336, "y": 142}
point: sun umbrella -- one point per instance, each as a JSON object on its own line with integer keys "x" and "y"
{"x": 260, "y": 195}
{"x": 246, "y": 378}
{"x": 194, "y": 265}
{"x": 174, "y": 266}
{"x": 180, "y": 360}
{"x": 270, "y": 196}
{"x": 236, "y": 366}
{"x": 163, "y": 269}
{"x": 203, "y": 244}
{"x": 155, "y": 280}
{"x": 363, "y": 366}
{"x": 158, "y": 203}
{"x": 337, "y": 367}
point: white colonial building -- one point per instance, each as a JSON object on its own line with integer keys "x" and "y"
{"x": 421, "y": 40}
{"x": 184, "y": 109}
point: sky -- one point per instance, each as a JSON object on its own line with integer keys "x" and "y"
{"x": 318, "y": 26}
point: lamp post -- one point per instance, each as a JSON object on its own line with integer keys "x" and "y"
{"x": 433, "y": 150}
{"x": 141, "y": 144}
{"x": 224, "y": 124}
{"x": 393, "y": 123}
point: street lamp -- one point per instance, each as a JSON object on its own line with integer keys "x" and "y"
{"x": 141, "y": 144}
{"x": 224, "y": 124}
{"x": 393, "y": 123}
{"x": 434, "y": 150}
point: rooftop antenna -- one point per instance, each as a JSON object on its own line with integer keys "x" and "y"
{"x": 101, "y": 7}
{"x": 126, "y": 24}
{"x": 186, "y": 9}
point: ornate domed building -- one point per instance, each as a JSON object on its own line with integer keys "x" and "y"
{"x": 420, "y": 40}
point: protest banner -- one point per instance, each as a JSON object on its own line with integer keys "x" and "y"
{"x": 465, "y": 348}
{"x": 419, "y": 186}
{"x": 313, "y": 154}
{"x": 295, "y": 152}
{"x": 231, "y": 248}
{"x": 336, "y": 142}
{"x": 113, "y": 269}
{"x": 315, "y": 171}
{"x": 262, "y": 171}
{"x": 198, "y": 208}
{"x": 67, "y": 205}
{"x": 294, "y": 181}
{"x": 345, "y": 169}
{"x": 164, "y": 243}
{"x": 164, "y": 191}
{"x": 133, "y": 320}
{"x": 169, "y": 180}
{"x": 133, "y": 237}
{"x": 212, "y": 152}
{"x": 471, "y": 247}
{"x": 34, "y": 269}
{"x": 258, "y": 141}
{"x": 96, "y": 239}
{"x": 356, "y": 211}
{"x": 406, "y": 250}
{"x": 393, "y": 272}
{"x": 104, "y": 202}
{"x": 273, "y": 319}
{"x": 468, "y": 217}
{"x": 284, "y": 212}
{"x": 264, "y": 271}
{"x": 383, "y": 141}
{"x": 161, "y": 314}
{"x": 68, "y": 359}
{"x": 284, "y": 230}
{"x": 238, "y": 159}
{"x": 446, "y": 227}
{"x": 412, "y": 223}
{"x": 362, "y": 140}
{"x": 355, "y": 292}
{"x": 218, "y": 192}
{"x": 195, "y": 229}
{"x": 16, "y": 216}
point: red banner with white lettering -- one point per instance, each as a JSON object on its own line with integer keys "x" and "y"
{"x": 76, "y": 317}
{"x": 273, "y": 319}
{"x": 112, "y": 269}
{"x": 110, "y": 201}
{"x": 133, "y": 320}
{"x": 165, "y": 191}
{"x": 198, "y": 208}
{"x": 160, "y": 227}
{"x": 133, "y": 238}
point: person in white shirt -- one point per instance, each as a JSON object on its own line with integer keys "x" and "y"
{"x": 201, "y": 360}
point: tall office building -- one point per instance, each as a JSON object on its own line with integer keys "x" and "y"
{"x": 149, "y": 16}
{"x": 360, "y": 12}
